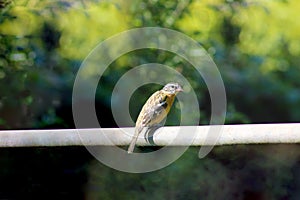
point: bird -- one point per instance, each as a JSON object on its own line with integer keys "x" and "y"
{"x": 155, "y": 110}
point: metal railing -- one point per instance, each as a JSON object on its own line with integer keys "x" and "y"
{"x": 230, "y": 134}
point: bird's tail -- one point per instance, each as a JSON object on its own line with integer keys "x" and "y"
{"x": 134, "y": 139}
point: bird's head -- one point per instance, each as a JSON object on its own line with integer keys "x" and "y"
{"x": 172, "y": 88}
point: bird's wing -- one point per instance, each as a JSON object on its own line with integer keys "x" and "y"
{"x": 155, "y": 113}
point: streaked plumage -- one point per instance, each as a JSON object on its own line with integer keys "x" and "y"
{"x": 155, "y": 110}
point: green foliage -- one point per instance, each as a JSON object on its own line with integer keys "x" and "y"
{"x": 43, "y": 43}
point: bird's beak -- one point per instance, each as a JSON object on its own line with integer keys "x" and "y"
{"x": 179, "y": 89}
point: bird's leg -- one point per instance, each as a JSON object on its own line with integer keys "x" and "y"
{"x": 150, "y": 132}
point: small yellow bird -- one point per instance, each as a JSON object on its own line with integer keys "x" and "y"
{"x": 155, "y": 110}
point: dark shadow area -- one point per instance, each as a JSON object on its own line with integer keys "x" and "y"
{"x": 234, "y": 172}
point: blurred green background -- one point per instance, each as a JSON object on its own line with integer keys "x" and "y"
{"x": 255, "y": 44}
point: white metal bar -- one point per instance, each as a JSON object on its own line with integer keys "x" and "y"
{"x": 175, "y": 136}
